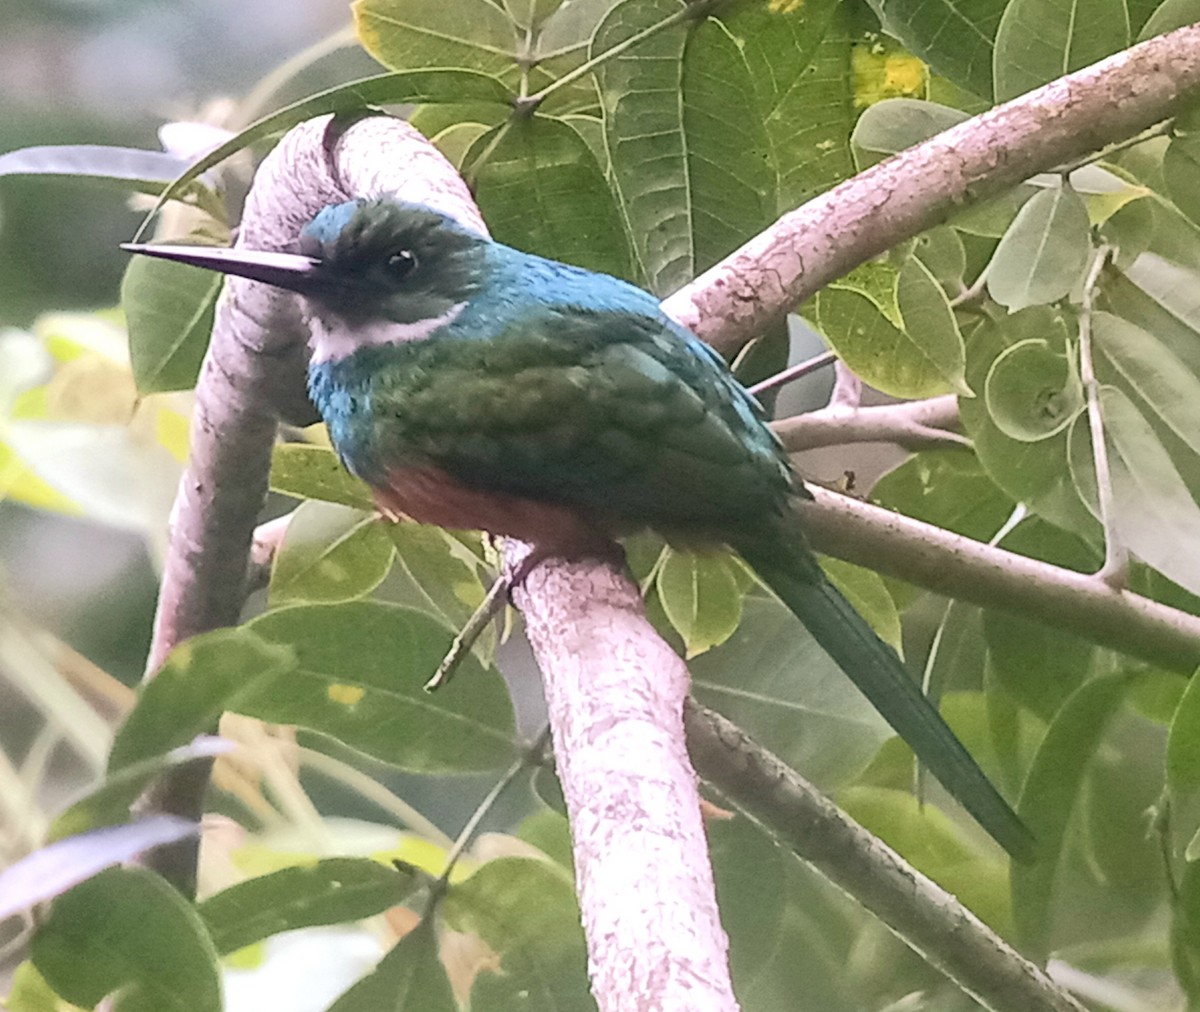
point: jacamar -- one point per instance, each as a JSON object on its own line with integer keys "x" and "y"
{"x": 471, "y": 385}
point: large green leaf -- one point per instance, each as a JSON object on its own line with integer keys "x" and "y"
{"x": 1044, "y": 252}
{"x": 1181, "y": 172}
{"x": 1041, "y": 40}
{"x": 331, "y": 891}
{"x": 1154, "y": 512}
{"x": 128, "y": 931}
{"x": 410, "y": 34}
{"x": 875, "y": 348}
{"x": 1049, "y": 797}
{"x": 701, "y": 597}
{"x": 895, "y": 124}
{"x": 410, "y": 978}
{"x": 1183, "y": 742}
{"x": 353, "y": 671}
{"x": 526, "y": 912}
{"x": 953, "y": 36}
{"x": 1033, "y": 391}
{"x": 643, "y": 124}
{"x": 330, "y": 553}
{"x": 930, "y": 324}
{"x": 314, "y": 472}
{"x": 540, "y": 189}
{"x": 169, "y": 307}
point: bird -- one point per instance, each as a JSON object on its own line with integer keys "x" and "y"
{"x": 475, "y": 386}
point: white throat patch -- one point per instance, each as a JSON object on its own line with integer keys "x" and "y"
{"x": 331, "y": 344}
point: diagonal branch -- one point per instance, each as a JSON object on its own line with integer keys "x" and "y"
{"x": 921, "y": 187}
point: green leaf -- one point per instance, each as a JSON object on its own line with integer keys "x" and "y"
{"x": 1154, "y": 512}
{"x": 896, "y": 124}
{"x": 1181, "y": 172}
{"x": 1038, "y": 666}
{"x": 1033, "y": 391}
{"x": 541, "y": 190}
{"x": 170, "y": 311}
{"x": 1043, "y": 254}
{"x": 1049, "y": 798}
{"x": 60, "y": 865}
{"x": 930, "y": 324}
{"x": 109, "y": 803}
{"x": 1169, "y": 15}
{"x": 445, "y": 575}
{"x": 874, "y": 348}
{"x": 868, "y": 593}
{"x": 410, "y": 978}
{"x": 953, "y": 36}
{"x": 771, "y": 678}
{"x": 526, "y": 912}
{"x": 1041, "y": 40}
{"x": 1183, "y": 741}
{"x": 314, "y": 472}
{"x": 353, "y": 671}
{"x": 701, "y": 597}
{"x": 531, "y": 13}
{"x": 330, "y": 553}
{"x": 127, "y": 930}
{"x": 128, "y": 168}
{"x": 646, "y": 139}
{"x": 941, "y": 251}
{"x": 330, "y": 891}
{"x": 1154, "y": 372}
{"x": 409, "y": 34}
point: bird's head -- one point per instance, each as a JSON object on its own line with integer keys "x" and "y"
{"x": 368, "y": 267}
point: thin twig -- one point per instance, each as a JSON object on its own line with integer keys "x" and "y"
{"x": 795, "y": 372}
{"x": 491, "y": 606}
{"x": 1115, "y": 571}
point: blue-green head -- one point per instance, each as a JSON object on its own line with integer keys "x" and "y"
{"x": 370, "y": 271}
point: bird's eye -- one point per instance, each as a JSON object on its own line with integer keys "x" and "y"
{"x": 402, "y": 263}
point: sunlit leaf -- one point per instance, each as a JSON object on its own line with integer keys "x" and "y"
{"x": 330, "y": 553}
{"x": 1043, "y": 254}
{"x": 701, "y": 597}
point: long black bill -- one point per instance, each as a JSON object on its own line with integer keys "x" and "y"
{"x": 284, "y": 270}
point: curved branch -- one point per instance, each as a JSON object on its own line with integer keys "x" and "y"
{"x": 921, "y": 187}
{"x": 967, "y": 570}
{"x": 914, "y": 425}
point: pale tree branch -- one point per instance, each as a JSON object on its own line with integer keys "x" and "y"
{"x": 914, "y": 425}
{"x": 921, "y": 187}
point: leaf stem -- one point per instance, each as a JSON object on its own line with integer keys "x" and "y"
{"x": 1115, "y": 571}
{"x": 795, "y": 372}
{"x": 529, "y": 757}
{"x": 690, "y": 12}
{"x": 492, "y": 602}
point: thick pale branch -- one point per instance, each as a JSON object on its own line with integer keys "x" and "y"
{"x": 915, "y": 425}
{"x": 921, "y": 187}
{"x": 918, "y": 910}
{"x": 971, "y": 571}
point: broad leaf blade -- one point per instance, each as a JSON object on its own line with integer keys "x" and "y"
{"x": 410, "y": 978}
{"x": 329, "y": 554}
{"x": 1043, "y": 254}
{"x": 127, "y": 930}
{"x": 314, "y": 472}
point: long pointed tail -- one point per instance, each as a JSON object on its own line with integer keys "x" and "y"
{"x": 880, "y": 675}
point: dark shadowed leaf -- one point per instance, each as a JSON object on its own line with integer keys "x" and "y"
{"x": 353, "y": 671}
{"x": 410, "y": 978}
{"x": 330, "y": 891}
{"x": 127, "y": 930}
